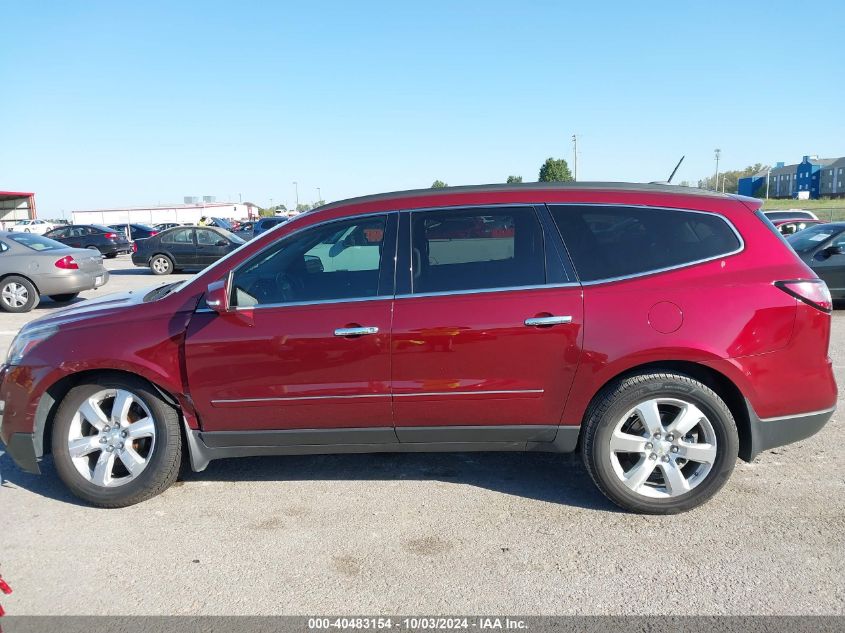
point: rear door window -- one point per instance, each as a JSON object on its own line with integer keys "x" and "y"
{"x": 607, "y": 242}
{"x": 180, "y": 236}
{"x": 476, "y": 249}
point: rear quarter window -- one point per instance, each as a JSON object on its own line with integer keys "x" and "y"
{"x": 607, "y": 242}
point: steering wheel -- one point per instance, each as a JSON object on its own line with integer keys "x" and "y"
{"x": 288, "y": 286}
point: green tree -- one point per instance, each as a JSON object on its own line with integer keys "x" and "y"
{"x": 514, "y": 179}
{"x": 302, "y": 207}
{"x": 438, "y": 184}
{"x": 729, "y": 180}
{"x": 555, "y": 170}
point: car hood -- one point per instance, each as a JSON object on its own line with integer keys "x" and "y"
{"x": 90, "y": 309}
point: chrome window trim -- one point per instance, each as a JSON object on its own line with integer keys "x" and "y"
{"x": 570, "y": 284}
{"x": 657, "y": 270}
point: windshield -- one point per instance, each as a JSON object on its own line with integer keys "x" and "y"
{"x": 811, "y": 238}
{"x": 223, "y": 224}
{"x": 36, "y": 242}
{"x": 237, "y": 239}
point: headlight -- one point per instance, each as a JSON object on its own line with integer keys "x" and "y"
{"x": 26, "y": 340}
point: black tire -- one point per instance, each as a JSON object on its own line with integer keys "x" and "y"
{"x": 65, "y": 298}
{"x": 619, "y": 397}
{"x": 163, "y": 461}
{"x": 111, "y": 255}
{"x": 15, "y": 288}
{"x": 161, "y": 264}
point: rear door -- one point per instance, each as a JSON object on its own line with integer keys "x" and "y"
{"x": 181, "y": 246}
{"x": 487, "y": 332}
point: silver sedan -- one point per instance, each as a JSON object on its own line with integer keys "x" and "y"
{"x": 32, "y": 266}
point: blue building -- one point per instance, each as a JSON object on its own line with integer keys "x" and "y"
{"x": 790, "y": 181}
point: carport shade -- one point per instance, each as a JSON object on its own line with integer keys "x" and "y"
{"x": 10, "y": 201}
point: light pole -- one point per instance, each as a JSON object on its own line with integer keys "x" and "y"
{"x": 718, "y": 153}
{"x": 296, "y": 185}
{"x": 319, "y": 195}
{"x": 574, "y": 157}
{"x": 768, "y": 177}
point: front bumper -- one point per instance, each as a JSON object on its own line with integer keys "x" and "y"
{"x": 768, "y": 433}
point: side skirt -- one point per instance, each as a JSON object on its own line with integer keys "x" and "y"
{"x": 204, "y": 447}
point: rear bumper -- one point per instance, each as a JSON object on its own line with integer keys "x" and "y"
{"x": 768, "y": 433}
{"x": 73, "y": 281}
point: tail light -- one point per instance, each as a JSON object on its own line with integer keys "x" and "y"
{"x": 134, "y": 247}
{"x": 813, "y": 292}
{"x": 111, "y": 236}
{"x": 67, "y": 263}
{"x": 153, "y": 233}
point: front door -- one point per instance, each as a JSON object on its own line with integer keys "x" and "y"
{"x": 483, "y": 348}
{"x": 830, "y": 266}
{"x": 209, "y": 248}
{"x": 307, "y": 346}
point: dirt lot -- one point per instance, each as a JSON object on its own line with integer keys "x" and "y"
{"x": 442, "y": 533}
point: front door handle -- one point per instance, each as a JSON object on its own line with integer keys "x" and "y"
{"x": 355, "y": 331}
{"x": 548, "y": 320}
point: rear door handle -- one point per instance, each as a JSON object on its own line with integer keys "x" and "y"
{"x": 355, "y": 331}
{"x": 549, "y": 320}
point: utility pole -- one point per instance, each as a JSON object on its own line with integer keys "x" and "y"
{"x": 574, "y": 157}
{"x": 319, "y": 195}
{"x": 718, "y": 153}
{"x": 296, "y": 185}
{"x": 768, "y": 177}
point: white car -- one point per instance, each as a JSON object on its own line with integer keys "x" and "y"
{"x": 39, "y": 227}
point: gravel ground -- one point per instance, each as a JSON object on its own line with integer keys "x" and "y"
{"x": 440, "y": 533}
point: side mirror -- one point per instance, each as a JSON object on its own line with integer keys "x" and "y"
{"x": 217, "y": 296}
{"x": 835, "y": 250}
{"x": 221, "y": 243}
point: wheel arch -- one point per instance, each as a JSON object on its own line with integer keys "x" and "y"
{"x": 29, "y": 279}
{"x": 50, "y": 400}
{"x": 724, "y": 387}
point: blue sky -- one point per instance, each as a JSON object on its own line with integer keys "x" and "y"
{"x": 121, "y": 103}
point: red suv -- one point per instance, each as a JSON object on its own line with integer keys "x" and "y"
{"x": 661, "y": 331}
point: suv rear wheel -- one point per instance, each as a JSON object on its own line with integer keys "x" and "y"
{"x": 659, "y": 443}
{"x": 116, "y": 442}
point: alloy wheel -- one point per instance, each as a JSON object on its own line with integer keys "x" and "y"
{"x": 663, "y": 447}
{"x": 161, "y": 265}
{"x": 15, "y": 295}
{"x": 111, "y": 438}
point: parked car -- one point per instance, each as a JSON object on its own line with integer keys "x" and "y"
{"x": 106, "y": 240}
{"x": 661, "y": 352}
{"x": 822, "y": 247}
{"x": 793, "y": 225}
{"x": 184, "y": 248}
{"x": 32, "y": 266}
{"x": 136, "y": 231}
{"x": 790, "y": 214}
{"x": 265, "y": 224}
{"x": 40, "y": 227}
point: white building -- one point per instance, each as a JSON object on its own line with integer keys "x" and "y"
{"x": 182, "y": 213}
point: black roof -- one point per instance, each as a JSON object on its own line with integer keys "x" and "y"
{"x": 536, "y": 186}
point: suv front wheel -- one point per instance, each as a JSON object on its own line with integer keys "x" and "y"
{"x": 116, "y": 442}
{"x": 659, "y": 443}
